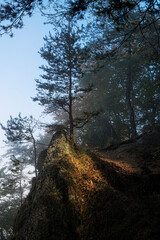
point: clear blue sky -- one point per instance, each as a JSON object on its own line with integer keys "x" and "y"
{"x": 19, "y": 66}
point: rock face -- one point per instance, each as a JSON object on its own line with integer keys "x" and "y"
{"x": 112, "y": 194}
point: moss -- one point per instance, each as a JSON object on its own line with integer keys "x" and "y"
{"x": 77, "y": 196}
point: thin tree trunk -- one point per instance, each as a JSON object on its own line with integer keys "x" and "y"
{"x": 70, "y": 86}
{"x": 34, "y": 152}
{"x": 21, "y": 188}
{"x": 128, "y": 95}
{"x": 35, "y": 156}
{"x": 70, "y": 113}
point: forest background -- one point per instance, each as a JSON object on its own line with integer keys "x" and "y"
{"x": 100, "y": 81}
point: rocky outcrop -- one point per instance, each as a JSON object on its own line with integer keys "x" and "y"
{"x": 99, "y": 195}
{"x": 47, "y": 212}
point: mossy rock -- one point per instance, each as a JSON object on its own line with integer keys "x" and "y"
{"x": 77, "y": 196}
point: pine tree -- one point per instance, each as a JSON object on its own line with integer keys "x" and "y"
{"x": 21, "y": 130}
{"x": 56, "y": 88}
{"x": 14, "y": 183}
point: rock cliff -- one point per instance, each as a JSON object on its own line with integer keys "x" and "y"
{"x": 111, "y": 194}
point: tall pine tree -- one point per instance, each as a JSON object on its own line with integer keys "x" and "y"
{"x": 56, "y": 88}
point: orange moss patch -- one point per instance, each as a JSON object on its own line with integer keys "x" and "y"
{"x": 84, "y": 177}
{"x": 129, "y": 166}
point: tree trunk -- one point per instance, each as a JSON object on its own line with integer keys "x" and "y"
{"x": 128, "y": 95}
{"x": 21, "y": 188}
{"x": 35, "y": 156}
{"x": 70, "y": 88}
{"x": 34, "y": 152}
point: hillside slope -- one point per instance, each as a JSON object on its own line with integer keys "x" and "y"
{"x": 112, "y": 194}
